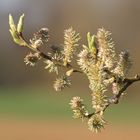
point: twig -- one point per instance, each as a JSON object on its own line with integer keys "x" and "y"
{"x": 45, "y": 56}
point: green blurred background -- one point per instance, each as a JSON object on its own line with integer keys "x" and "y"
{"x": 26, "y": 93}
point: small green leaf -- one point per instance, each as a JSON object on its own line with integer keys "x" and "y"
{"x": 11, "y": 23}
{"x": 20, "y": 24}
{"x": 91, "y": 43}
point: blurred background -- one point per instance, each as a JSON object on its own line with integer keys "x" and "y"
{"x": 29, "y": 108}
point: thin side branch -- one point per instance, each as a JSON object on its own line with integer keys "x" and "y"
{"x": 115, "y": 99}
{"x": 45, "y": 56}
{"x": 127, "y": 83}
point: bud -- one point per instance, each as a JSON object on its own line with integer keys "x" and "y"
{"x": 61, "y": 83}
{"x": 96, "y": 123}
{"x": 115, "y": 88}
{"x": 76, "y": 102}
{"x": 40, "y": 37}
{"x": 78, "y": 108}
{"x": 42, "y": 34}
{"x": 51, "y": 66}
{"x": 31, "y": 59}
